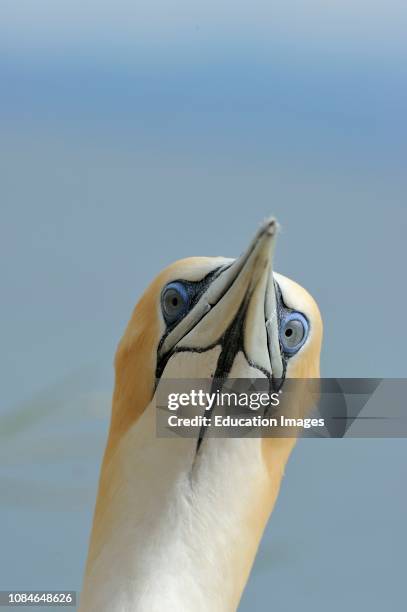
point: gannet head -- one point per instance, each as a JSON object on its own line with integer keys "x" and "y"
{"x": 206, "y": 317}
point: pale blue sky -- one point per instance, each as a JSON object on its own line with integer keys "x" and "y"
{"x": 364, "y": 27}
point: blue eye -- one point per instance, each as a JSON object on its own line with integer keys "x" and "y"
{"x": 175, "y": 301}
{"x": 293, "y": 332}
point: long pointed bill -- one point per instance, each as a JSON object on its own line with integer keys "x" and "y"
{"x": 238, "y": 311}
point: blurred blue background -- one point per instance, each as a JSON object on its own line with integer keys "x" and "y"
{"x": 135, "y": 134}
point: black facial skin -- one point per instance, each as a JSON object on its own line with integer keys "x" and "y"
{"x": 195, "y": 289}
{"x": 232, "y": 339}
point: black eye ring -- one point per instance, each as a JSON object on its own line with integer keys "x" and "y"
{"x": 175, "y": 302}
{"x": 294, "y": 329}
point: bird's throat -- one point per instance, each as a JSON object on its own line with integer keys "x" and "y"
{"x": 166, "y": 537}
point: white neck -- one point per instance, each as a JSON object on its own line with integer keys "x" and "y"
{"x": 177, "y": 535}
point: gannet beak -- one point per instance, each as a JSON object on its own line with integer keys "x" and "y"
{"x": 238, "y": 311}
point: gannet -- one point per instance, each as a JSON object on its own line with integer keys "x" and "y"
{"x": 178, "y": 522}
